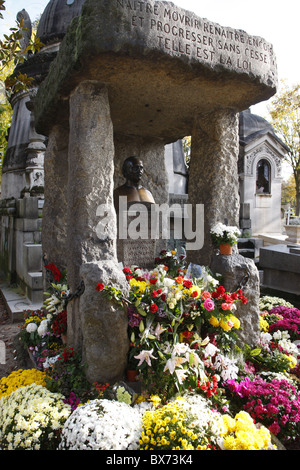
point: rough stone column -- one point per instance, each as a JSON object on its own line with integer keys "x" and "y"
{"x": 94, "y": 325}
{"x": 213, "y": 179}
{"x": 239, "y": 272}
{"x": 54, "y": 232}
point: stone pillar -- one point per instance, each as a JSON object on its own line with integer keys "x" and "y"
{"x": 95, "y": 325}
{"x": 54, "y": 233}
{"x": 239, "y": 272}
{"x": 213, "y": 179}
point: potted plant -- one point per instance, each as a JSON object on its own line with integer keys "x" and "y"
{"x": 225, "y": 237}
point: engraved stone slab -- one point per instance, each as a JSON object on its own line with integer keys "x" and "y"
{"x": 162, "y": 65}
{"x": 139, "y": 253}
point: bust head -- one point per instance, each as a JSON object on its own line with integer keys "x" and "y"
{"x": 133, "y": 170}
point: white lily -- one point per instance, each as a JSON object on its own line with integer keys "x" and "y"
{"x": 145, "y": 356}
{"x": 158, "y": 330}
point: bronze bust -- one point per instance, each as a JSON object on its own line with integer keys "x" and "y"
{"x": 132, "y": 171}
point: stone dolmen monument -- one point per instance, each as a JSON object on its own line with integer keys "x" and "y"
{"x": 130, "y": 77}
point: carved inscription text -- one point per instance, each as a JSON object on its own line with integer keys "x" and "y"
{"x": 179, "y": 32}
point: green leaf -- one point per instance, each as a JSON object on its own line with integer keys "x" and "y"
{"x": 142, "y": 312}
{"x": 255, "y": 352}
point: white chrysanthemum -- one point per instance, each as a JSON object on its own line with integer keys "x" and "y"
{"x": 29, "y": 415}
{"x": 31, "y": 327}
{"x": 43, "y": 328}
{"x": 205, "y": 421}
{"x": 102, "y": 425}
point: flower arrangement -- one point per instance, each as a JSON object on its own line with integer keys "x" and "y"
{"x": 276, "y": 404}
{"x": 102, "y": 424}
{"x": 284, "y": 318}
{"x": 267, "y": 302}
{"x": 170, "y": 314}
{"x": 182, "y": 327}
{"x": 31, "y": 418}
{"x": 20, "y": 378}
{"x": 242, "y": 434}
{"x": 59, "y": 325}
{"x": 67, "y": 375}
{"x": 30, "y": 333}
{"x": 43, "y": 330}
{"x": 183, "y": 424}
{"x": 224, "y": 234}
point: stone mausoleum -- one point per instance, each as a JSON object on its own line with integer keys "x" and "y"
{"x": 260, "y": 175}
{"x": 119, "y": 78}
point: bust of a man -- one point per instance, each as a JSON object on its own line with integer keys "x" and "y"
{"x": 132, "y": 171}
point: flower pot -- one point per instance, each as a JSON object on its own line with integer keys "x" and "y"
{"x": 132, "y": 375}
{"x": 225, "y": 249}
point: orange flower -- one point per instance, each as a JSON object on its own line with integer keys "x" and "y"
{"x": 179, "y": 279}
{"x": 206, "y": 295}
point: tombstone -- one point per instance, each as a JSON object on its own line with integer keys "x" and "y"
{"x": 116, "y": 89}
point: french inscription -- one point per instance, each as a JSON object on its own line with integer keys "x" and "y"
{"x": 178, "y": 32}
{"x": 138, "y": 252}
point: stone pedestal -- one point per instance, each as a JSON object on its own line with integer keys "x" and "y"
{"x": 239, "y": 272}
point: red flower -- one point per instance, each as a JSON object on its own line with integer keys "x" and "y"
{"x": 188, "y": 334}
{"x": 195, "y": 293}
{"x": 100, "y": 286}
{"x": 154, "y": 294}
{"x": 153, "y": 281}
{"x": 187, "y": 284}
{"x": 55, "y": 271}
{"x": 220, "y": 291}
{"x": 127, "y": 271}
{"x": 153, "y": 308}
{"x": 227, "y": 298}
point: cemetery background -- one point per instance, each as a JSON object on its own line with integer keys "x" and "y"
{"x": 36, "y": 140}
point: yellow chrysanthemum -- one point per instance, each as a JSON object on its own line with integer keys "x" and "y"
{"x": 21, "y": 378}
{"x": 242, "y": 434}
